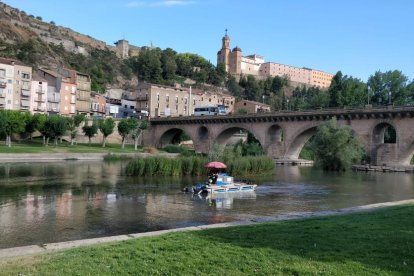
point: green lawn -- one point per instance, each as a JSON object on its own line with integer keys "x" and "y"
{"x": 36, "y": 146}
{"x": 375, "y": 243}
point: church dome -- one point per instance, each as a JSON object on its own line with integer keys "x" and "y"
{"x": 237, "y": 48}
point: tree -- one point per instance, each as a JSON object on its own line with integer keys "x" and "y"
{"x": 73, "y": 124}
{"x": 90, "y": 130}
{"x": 389, "y": 87}
{"x": 136, "y": 133}
{"x": 168, "y": 64}
{"x": 55, "y": 127}
{"x": 32, "y": 122}
{"x": 42, "y": 118}
{"x": 233, "y": 86}
{"x": 335, "y": 147}
{"x": 11, "y": 122}
{"x": 347, "y": 91}
{"x": 106, "y": 127}
{"x": 149, "y": 65}
{"x": 125, "y": 126}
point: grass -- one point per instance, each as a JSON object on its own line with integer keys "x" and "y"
{"x": 374, "y": 243}
{"x": 36, "y": 146}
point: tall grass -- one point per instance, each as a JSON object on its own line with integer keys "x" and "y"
{"x": 166, "y": 166}
{"x": 194, "y": 165}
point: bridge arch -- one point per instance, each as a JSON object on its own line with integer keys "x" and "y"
{"x": 203, "y": 133}
{"x": 172, "y": 136}
{"x": 227, "y": 135}
{"x": 275, "y": 134}
{"x": 299, "y": 140}
{"x": 380, "y": 131}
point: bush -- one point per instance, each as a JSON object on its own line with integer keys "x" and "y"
{"x": 173, "y": 149}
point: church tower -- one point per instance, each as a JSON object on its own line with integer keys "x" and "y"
{"x": 223, "y": 56}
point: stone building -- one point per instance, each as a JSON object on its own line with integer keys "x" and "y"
{"x": 160, "y": 100}
{"x": 125, "y": 50}
{"x": 237, "y": 64}
{"x": 251, "y": 107}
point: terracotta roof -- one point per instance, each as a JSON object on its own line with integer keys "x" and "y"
{"x": 10, "y": 61}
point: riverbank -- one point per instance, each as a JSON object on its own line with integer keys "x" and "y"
{"x": 346, "y": 241}
{"x": 49, "y": 157}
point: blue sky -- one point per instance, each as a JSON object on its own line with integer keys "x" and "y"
{"x": 356, "y": 37}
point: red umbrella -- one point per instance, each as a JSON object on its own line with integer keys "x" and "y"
{"x": 215, "y": 165}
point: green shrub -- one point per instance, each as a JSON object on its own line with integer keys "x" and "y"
{"x": 173, "y": 149}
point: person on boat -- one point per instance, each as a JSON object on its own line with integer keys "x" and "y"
{"x": 215, "y": 176}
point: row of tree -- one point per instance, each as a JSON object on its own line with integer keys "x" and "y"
{"x": 167, "y": 66}
{"x": 53, "y": 127}
{"x": 382, "y": 88}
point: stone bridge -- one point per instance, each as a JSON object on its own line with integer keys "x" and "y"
{"x": 283, "y": 134}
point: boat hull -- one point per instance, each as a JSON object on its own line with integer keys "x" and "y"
{"x": 230, "y": 188}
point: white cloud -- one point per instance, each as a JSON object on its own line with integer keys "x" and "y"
{"x": 163, "y": 3}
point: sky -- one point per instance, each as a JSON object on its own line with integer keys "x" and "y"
{"x": 357, "y": 37}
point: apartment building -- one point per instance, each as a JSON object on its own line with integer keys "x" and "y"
{"x": 61, "y": 96}
{"x": 15, "y": 85}
{"x": 38, "y": 101}
{"x": 98, "y": 104}
{"x": 160, "y": 100}
{"x": 83, "y": 89}
{"x": 6, "y": 83}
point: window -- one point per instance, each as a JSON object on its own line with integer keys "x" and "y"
{"x": 25, "y": 76}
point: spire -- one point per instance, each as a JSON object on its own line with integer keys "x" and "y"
{"x": 226, "y": 31}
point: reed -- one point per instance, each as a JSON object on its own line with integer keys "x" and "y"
{"x": 194, "y": 165}
{"x": 187, "y": 166}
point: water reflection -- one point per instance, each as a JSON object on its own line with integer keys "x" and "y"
{"x": 49, "y": 202}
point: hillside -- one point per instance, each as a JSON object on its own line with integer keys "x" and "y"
{"x": 40, "y": 44}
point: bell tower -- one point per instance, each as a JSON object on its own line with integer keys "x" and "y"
{"x": 223, "y": 56}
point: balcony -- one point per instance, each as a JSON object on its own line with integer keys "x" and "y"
{"x": 3, "y": 84}
{"x": 39, "y": 108}
{"x": 25, "y": 93}
{"x": 40, "y": 91}
{"x": 40, "y": 100}
{"x": 25, "y": 103}
{"x": 26, "y": 87}
{"x": 2, "y": 95}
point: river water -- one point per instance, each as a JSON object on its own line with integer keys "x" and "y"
{"x": 52, "y": 202}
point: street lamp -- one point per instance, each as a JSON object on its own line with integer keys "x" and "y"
{"x": 389, "y": 97}
{"x": 263, "y": 96}
{"x": 287, "y": 104}
{"x": 368, "y": 94}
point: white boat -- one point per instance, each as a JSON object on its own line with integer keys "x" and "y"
{"x": 223, "y": 184}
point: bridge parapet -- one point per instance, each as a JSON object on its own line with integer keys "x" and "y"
{"x": 310, "y": 115}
